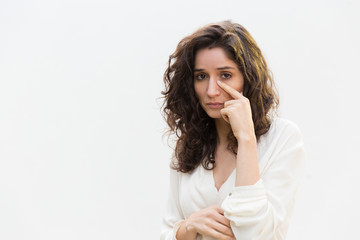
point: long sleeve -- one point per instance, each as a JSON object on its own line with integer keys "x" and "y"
{"x": 262, "y": 211}
{"x": 173, "y": 216}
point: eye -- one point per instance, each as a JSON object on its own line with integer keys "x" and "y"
{"x": 226, "y": 75}
{"x": 200, "y": 76}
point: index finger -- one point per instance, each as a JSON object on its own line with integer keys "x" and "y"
{"x": 235, "y": 94}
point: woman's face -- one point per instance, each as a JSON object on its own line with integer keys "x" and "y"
{"x": 212, "y": 65}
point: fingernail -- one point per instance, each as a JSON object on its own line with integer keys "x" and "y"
{"x": 219, "y": 82}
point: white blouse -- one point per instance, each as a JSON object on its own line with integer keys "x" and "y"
{"x": 259, "y": 211}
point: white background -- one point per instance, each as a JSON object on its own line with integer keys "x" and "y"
{"x": 81, "y": 148}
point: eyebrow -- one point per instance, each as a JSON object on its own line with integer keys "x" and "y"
{"x": 221, "y": 68}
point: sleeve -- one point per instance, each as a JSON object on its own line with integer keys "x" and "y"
{"x": 257, "y": 211}
{"x": 173, "y": 216}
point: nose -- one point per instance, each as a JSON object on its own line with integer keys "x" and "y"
{"x": 213, "y": 89}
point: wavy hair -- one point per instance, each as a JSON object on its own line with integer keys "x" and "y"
{"x": 195, "y": 130}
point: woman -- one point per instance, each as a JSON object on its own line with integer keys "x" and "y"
{"x": 237, "y": 168}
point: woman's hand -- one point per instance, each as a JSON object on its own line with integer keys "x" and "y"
{"x": 210, "y": 222}
{"x": 237, "y": 113}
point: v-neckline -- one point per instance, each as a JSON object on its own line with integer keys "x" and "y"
{"x": 214, "y": 183}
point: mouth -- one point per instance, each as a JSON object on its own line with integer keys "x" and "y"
{"x": 215, "y": 105}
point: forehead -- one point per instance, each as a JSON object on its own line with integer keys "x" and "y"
{"x": 212, "y": 57}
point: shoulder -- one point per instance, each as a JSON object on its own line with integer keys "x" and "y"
{"x": 284, "y": 126}
{"x": 282, "y": 130}
{"x": 282, "y": 144}
{"x": 176, "y": 176}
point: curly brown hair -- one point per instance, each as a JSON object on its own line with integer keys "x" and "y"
{"x": 195, "y": 130}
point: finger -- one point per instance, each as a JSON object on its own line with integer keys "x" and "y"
{"x": 220, "y": 217}
{"x": 223, "y": 229}
{"x": 223, "y": 220}
{"x": 219, "y": 210}
{"x": 213, "y": 233}
{"x": 232, "y": 92}
{"x": 224, "y": 114}
{"x": 230, "y": 102}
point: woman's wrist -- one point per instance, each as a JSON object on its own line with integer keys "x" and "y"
{"x": 189, "y": 227}
{"x": 245, "y": 137}
{"x": 186, "y": 231}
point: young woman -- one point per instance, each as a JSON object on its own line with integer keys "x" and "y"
{"x": 236, "y": 168}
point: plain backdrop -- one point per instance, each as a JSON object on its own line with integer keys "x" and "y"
{"x": 81, "y": 149}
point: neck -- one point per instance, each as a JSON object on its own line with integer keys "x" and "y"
{"x": 222, "y": 128}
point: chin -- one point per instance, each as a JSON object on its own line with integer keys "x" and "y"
{"x": 214, "y": 114}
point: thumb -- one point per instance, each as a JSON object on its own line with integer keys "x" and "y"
{"x": 224, "y": 115}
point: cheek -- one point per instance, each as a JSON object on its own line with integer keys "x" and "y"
{"x": 238, "y": 85}
{"x": 198, "y": 88}
{"x": 226, "y": 95}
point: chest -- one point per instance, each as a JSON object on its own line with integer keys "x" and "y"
{"x": 197, "y": 191}
{"x": 225, "y": 164}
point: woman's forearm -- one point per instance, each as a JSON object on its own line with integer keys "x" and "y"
{"x": 247, "y": 168}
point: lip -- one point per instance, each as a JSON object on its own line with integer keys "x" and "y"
{"x": 215, "y": 105}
